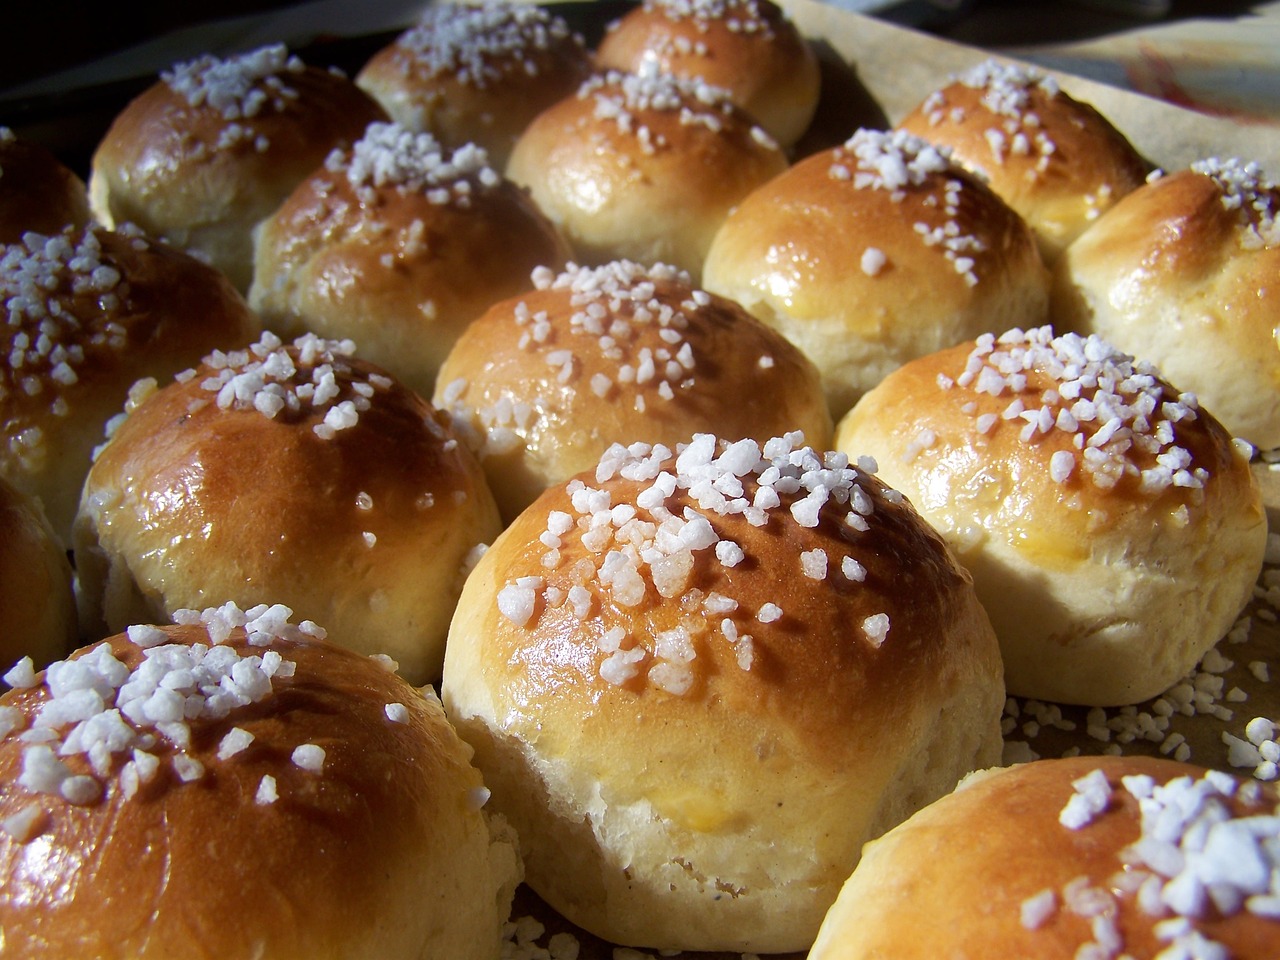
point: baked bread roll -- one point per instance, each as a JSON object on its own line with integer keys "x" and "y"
{"x": 88, "y": 313}
{"x": 698, "y": 682}
{"x": 293, "y": 472}
{"x": 643, "y": 167}
{"x": 37, "y": 608}
{"x": 747, "y": 47}
{"x": 544, "y": 383}
{"x": 1186, "y": 274}
{"x": 1062, "y": 859}
{"x": 398, "y": 244}
{"x": 477, "y": 73}
{"x": 237, "y": 787}
{"x": 891, "y": 253}
{"x": 203, "y": 155}
{"x": 1054, "y": 159}
{"x": 37, "y": 191}
{"x": 1112, "y": 526}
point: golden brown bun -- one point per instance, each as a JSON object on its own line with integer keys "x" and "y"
{"x": 890, "y": 253}
{"x": 477, "y": 74}
{"x": 642, "y": 168}
{"x": 1105, "y": 586}
{"x": 398, "y": 245}
{"x": 37, "y": 608}
{"x": 747, "y": 47}
{"x": 1056, "y": 160}
{"x": 209, "y": 151}
{"x": 115, "y": 308}
{"x": 383, "y": 852}
{"x": 365, "y": 527}
{"x": 1185, "y": 272}
{"x": 544, "y": 387}
{"x": 709, "y": 784}
{"x": 37, "y": 191}
{"x": 957, "y": 878}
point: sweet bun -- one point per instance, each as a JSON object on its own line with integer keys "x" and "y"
{"x": 477, "y": 73}
{"x": 37, "y": 607}
{"x": 235, "y": 786}
{"x": 1054, "y": 159}
{"x": 37, "y": 191}
{"x": 203, "y": 155}
{"x": 296, "y": 474}
{"x": 697, "y": 683}
{"x": 643, "y": 167}
{"x": 747, "y": 47}
{"x": 544, "y": 383}
{"x": 1062, "y": 859}
{"x": 398, "y": 244}
{"x": 88, "y": 313}
{"x": 891, "y": 253}
{"x": 1185, "y": 272}
{"x": 1113, "y": 528}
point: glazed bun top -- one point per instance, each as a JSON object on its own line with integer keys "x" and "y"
{"x": 747, "y": 47}
{"x": 1185, "y": 272}
{"x": 37, "y": 191}
{"x": 1078, "y": 423}
{"x": 398, "y": 243}
{"x": 545, "y": 382}
{"x": 1054, "y": 159}
{"x": 643, "y": 167}
{"x": 1091, "y": 856}
{"x": 237, "y": 786}
{"x": 202, "y": 156}
{"x": 723, "y": 569}
{"x": 874, "y": 253}
{"x": 88, "y": 313}
{"x": 295, "y": 473}
{"x": 477, "y": 73}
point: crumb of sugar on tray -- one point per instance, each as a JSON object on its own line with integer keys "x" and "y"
{"x": 520, "y": 942}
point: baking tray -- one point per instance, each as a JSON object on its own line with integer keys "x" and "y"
{"x": 874, "y": 72}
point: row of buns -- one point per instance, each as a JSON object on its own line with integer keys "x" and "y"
{"x": 697, "y": 671}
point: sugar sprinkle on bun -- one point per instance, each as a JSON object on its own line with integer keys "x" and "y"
{"x": 89, "y": 312}
{"x": 398, "y": 243}
{"x": 891, "y": 252}
{"x": 747, "y": 47}
{"x": 286, "y": 473}
{"x": 545, "y": 382}
{"x": 1059, "y": 859}
{"x": 699, "y": 679}
{"x": 203, "y": 155}
{"x": 1057, "y": 161}
{"x": 1112, "y": 526}
{"x": 643, "y": 167}
{"x": 477, "y": 73}
{"x": 1185, "y": 272}
{"x": 237, "y": 786}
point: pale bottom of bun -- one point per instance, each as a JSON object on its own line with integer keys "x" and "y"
{"x": 1089, "y": 624}
{"x": 611, "y": 862}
